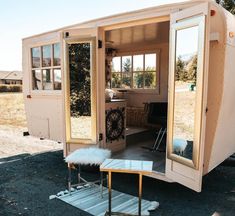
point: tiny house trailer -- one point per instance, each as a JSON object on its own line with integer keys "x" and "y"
{"x": 181, "y": 54}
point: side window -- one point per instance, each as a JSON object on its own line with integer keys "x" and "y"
{"x": 46, "y": 67}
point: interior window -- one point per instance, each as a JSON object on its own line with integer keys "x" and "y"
{"x": 150, "y": 62}
{"x": 135, "y": 71}
{"x": 116, "y": 72}
{"x": 138, "y": 62}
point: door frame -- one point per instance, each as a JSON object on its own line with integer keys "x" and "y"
{"x": 182, "y": 171}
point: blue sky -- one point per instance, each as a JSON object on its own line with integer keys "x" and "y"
{"x": 22, "y": 18}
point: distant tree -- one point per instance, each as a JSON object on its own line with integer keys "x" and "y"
{"x": 80, "y": 79}
{"x": 116, "y": 81}
{"x": 142, "y": 80}
{"x": 149, "y": 79}
{"x": 180, "y": 72}
{"x": 139, "y": 80}
{"x": 126, "y": 81}
{"x": 127, "y": 65}
{"x": 192, "y": 70}
{"x": 228, "y": 5}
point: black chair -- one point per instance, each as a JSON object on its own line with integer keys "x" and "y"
{"x": 157, "y": 116}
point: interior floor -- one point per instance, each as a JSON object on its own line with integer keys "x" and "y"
{"x": 136, "y": 150}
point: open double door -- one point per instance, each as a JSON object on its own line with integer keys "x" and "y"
{"x": 85, "y": 82}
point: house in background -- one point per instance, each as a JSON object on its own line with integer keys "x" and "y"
{"x": 11, "y": 77}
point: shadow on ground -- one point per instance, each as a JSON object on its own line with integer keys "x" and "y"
{"x": 27, "y": 181}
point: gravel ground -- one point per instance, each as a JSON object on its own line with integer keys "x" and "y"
{"x": 31, "y": 170}
{"x": 27, "y": 181}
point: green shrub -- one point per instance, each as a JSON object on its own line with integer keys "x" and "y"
{"x": 10, "y": 88}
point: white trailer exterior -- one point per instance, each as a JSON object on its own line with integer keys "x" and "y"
{"x": 47, "y": 106}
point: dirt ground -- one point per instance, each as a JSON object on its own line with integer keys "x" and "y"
{"x": 31, "y": 170}
{"x": 12, "y": 126}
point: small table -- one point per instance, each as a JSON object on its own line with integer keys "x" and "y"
{"x": 126, "y": 166}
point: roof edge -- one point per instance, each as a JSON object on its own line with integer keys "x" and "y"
{"x": 183, "y": 3}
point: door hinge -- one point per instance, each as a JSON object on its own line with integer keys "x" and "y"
{"x": 100, "y": 44}
{"x": 100, "y": 137}
{"x": 206, "y": 110}
{"x": 66, "y": 34}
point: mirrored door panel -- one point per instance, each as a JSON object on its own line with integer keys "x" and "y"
{"x": 80, "y": 90}
{"x": 81, "y": 116}
{"x": 186, "y": 87}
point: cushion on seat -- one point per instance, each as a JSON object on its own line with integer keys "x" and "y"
{"x": 88, "y": 156}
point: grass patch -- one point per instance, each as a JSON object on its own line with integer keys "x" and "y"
{"x": 12, "y": 110}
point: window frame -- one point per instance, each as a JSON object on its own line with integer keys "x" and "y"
{"x": 156, "y": 90}
{"x": 41, "y": 68}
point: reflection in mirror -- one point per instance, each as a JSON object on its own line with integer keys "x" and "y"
{"x": 185, "y": 91}
{"x": 80, "y": 90}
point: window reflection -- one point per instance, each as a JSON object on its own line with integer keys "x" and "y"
{"x": 36, "y": 57}
{"x": 57, "y": 79}
{"x": 56, "y": 54}
{"x": 46, "y": 79}
{"x": 46, "y": 56}
{"x": 36, "y": 80}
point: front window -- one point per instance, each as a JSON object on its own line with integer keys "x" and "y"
{"x": 46, "y": 67}
{"x": 135, "y": 71}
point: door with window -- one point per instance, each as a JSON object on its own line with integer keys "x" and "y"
{"x": 187, "y": 96}
{"x": 80, "y": 87}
